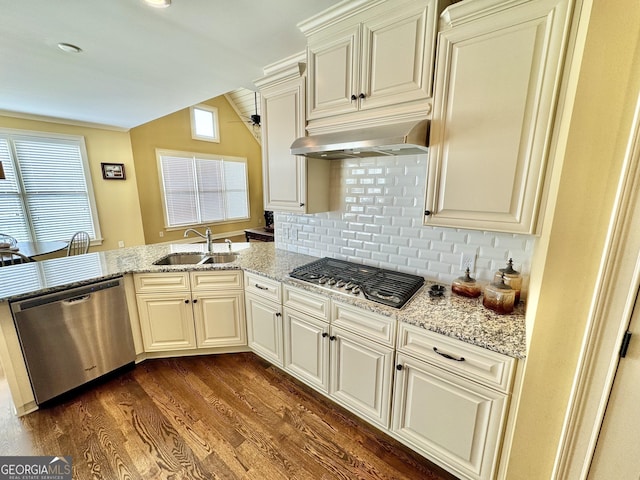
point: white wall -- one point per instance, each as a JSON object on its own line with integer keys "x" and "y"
{"x": 376, "y": 219}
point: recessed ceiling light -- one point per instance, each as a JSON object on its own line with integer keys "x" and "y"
{"x": 158, "y": 3}
{"x": 67, "y": 47}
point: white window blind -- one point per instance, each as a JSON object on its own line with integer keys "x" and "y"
{"x": 46, "y": 194}
{"x": 199, "y": 188}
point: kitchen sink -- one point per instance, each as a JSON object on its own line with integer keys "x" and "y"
{"x": 223, "y": 257}
{"x": 197, "y": 258}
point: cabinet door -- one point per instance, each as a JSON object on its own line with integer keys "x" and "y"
{"x": 398, "y": 51}
{"x": 166, "y": 321}
{"x": 264, "y": 328}
{"x": 219, "y": 319}
{"x": 306, "y": 349}
{"x": 361, "y": 376}
{"x": 284, "y": 175}
{"x": 497, "y": 79}
{"x": 333, "y": 64}
{"x": 456, "y": 422}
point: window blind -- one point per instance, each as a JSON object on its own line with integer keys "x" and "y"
{"x": 46, "y": 195}
{"x": 201, "y": 189}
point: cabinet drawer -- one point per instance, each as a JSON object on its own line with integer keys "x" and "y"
{"x": 263, "y": 287}
{"x": 161, "y": 282}
{"x": 313, "y": 304}
{"x": 472, "y": 362}
{"x": 221, "y": 280}
{"x": 368, "y": 324}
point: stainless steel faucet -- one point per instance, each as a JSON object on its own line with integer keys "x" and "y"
{"x": 207, "y": 236}
{"x": 228, "y": 242}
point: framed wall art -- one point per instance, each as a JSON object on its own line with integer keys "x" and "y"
{"x": 113, "y": 171}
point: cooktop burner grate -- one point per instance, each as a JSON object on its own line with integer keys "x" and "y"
{"x": 376, "y": 284}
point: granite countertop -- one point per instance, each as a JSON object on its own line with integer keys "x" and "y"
{"x": 457, "y": 317}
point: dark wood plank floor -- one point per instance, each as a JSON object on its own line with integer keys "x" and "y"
{"x": 225, "y": 416}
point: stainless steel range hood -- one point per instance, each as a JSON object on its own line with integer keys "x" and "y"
{"x": 393, "y": 139}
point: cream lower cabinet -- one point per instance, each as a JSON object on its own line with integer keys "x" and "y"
{"x": 190, "y": 310}
{"x": 361, "y": 375}
{"x": 306, "y": 336}
{"x": 306, "y": 349}
{"x": 264, "y": 317}
{"x": 166, "y": 321}
{"x": 497, "y": 80}
{"x": 439, "y": 411}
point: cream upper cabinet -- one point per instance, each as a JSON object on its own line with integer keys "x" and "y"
{"x": 496, "y": 86}
{"x": 370, "y": 56}
{"x": 291, "y": 183}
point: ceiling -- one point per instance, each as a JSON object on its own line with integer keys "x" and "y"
{"x": 138, "y": 63}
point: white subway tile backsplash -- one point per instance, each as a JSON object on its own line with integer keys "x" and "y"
{"x": 377, "y": 219}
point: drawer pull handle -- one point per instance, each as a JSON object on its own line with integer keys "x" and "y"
{"x": 446, "y": 355}
{"x": 261, "y": 287}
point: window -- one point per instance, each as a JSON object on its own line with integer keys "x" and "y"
{"x": 199, "y": 188}
{"x": 204, "y": 123}
{"x": 47, "y": 193}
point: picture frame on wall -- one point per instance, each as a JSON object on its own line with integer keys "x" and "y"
{"x": 113, "y": 171}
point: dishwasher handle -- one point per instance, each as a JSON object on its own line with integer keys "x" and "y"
{"x": 68, "y": 297}
{"x": 74, "y": 301}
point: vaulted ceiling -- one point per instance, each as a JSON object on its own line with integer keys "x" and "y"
{"x": 138, "y": 63}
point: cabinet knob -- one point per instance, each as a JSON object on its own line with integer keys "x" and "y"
{"x": 195, "y": 300}
{"x": 353, "y": 98}
{"x": 399, "y": 367}
{"x": 302, "y": 204}
{"x": 325, "y": 334}
{"x": 278, "y": 314}
{"x": 186, "y": 301}
{"x": 362, "y": 96}
{"x": 332, "y": 338}
{"x": 427, "y": 212}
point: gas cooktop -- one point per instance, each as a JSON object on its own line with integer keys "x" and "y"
{"x": 376, "y": 284}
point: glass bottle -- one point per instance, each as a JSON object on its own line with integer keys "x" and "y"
{"x": 499, "y": 297}
{"x": 466, "y": 286}
{"x": 511, "y": 277}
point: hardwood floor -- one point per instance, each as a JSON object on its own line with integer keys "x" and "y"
{"x": 215, "y": 417}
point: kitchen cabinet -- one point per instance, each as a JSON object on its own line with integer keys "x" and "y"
{"x": 184, "y": 311}
{"x": 306, "y": 332}
{"x": 496, "y": 86}
{"x": 361, "y": 375}
{"x": 218, "y": 309}
{"x": 450, "y": 401}
{"x": 264, "y": 317}
{"x": 340, "y": 350}
{"x": 361, "y": 372}
{"x": 368, "y": 57}
{"x": 291, "y": 183}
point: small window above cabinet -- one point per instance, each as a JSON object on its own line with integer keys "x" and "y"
{"x": 498, "y": 74}
{"x": 291, "y": 183}
{"x": 371, "y": 59}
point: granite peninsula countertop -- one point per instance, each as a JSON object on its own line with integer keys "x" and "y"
{"x": 451, "y": 315}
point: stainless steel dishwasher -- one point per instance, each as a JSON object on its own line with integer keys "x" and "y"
{"x": 74, "y": 336}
